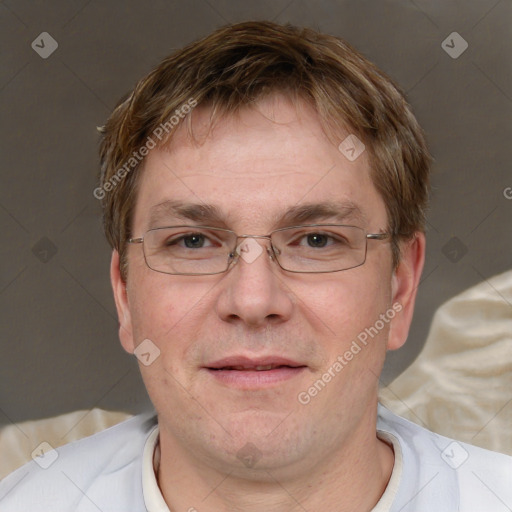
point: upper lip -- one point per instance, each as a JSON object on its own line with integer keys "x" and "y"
{"x": 253, "y": 362}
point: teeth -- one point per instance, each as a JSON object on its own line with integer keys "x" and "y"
{"x": 267, "y": 367}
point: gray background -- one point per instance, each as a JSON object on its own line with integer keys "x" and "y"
{"x": 59, "y": 345}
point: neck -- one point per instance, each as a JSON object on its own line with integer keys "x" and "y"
{"x": 351, "y": 478}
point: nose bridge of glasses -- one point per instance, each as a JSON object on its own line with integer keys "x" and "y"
{"x": 254, "y": 236}
{"x": 249, "y": 251}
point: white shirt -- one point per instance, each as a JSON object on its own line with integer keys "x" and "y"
{"x": 113, "y": 471}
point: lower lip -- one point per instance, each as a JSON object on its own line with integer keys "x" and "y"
{"x": 249, "y": 379}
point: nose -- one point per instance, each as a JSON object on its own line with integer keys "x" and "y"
{"x": 253, "y": 290}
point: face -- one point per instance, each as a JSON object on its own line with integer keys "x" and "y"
{"x": 213, "y": 331}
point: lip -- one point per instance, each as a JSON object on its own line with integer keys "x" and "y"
{"x": 247, "y": 377}
{"x": 253, "y": 362}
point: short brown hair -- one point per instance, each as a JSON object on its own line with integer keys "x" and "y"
{"x": 239, "y": 64}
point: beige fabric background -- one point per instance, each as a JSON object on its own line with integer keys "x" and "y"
{"x": 461, "y": 383}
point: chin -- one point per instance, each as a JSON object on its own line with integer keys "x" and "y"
{"x": 262, "y": 440}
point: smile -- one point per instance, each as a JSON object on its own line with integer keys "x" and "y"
{"x": 253, "y": 368}
{"x": 254, "y": 377}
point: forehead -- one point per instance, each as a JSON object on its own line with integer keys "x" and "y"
{"x": 257, "y": 167}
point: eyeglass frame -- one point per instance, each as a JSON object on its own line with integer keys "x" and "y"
{"x": 270, "y": 250}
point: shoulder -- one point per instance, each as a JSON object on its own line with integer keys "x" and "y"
{"x": 444, "y": 474}
{"x": 94, "y": 472}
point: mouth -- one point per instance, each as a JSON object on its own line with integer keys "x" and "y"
{"x": 245, "y": 373}
{"x": 259, "y": 368}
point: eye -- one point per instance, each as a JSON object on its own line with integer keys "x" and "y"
{"x": 336, "y": 238}
{"x": 194, "y": 240}
{"x": 189, "y": 241}
{"x": 317, "y": 239}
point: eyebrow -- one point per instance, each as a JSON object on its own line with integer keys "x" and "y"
{"x": 208, "y": 214}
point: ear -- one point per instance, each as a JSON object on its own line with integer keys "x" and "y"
{"x": 122, "y": 305}
{"x": 404, "y": 286}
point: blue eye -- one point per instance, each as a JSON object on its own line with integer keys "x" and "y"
{"x": 193, "y": 241}
{"x": 317, "y": 240}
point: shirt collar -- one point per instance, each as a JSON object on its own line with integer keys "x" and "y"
{"x": 153, "y": 498}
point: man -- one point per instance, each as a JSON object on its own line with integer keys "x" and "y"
{"x": 264, "y": 192}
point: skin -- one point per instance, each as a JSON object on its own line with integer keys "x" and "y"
{"x": 321, "y": 456}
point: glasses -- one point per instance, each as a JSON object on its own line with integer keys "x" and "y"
{"x": 204, "y": 250}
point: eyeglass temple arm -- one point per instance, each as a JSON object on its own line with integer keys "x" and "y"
{"x": 378, "y": 236}
{"x": 135, "y": 240}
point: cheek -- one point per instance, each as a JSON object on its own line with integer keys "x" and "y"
{"x": 161, "y": 305}
{"x": 174, "y": 313}
{"x": 346, "y": 303}
{"x": 165, "y": 313}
